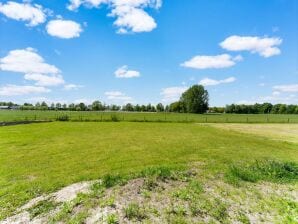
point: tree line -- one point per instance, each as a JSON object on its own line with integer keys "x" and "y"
{"x": 264, "y": 108}
{"x": 193, "y": 100}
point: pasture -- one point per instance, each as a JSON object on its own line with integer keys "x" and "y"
{"x": 37, "y": 159}
{"x": 18, "y": 115}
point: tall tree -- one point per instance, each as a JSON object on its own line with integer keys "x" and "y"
{"x": 195, "y": 99}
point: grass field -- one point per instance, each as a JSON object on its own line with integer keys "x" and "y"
{"x": 36, "y": 159}
{"x": 7, "y": 116}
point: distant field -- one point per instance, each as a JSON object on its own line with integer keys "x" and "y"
{"x": 41, "y": 158}
{"x": 8, "y": 116}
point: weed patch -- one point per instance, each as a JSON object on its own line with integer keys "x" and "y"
{"x": 42, "y": 207}
{"x": 134, "y": 211}
{"x": 267, "y": 170}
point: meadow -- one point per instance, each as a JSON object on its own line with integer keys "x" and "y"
{"x": 37, "y": 159}
{"x": 19, "y": 115}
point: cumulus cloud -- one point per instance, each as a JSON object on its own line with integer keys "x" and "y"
{"x": 14, "y": 90}
{"x": 26, "y": 61}
{"x": 32, "y": 14}
{"x": 130, "y": 14}
{"x": 75, "y": 4}
{"x": 123, "y": 72}
{"x": 33, "y": 66}
{"x": 65, "y": 29}
{"x": 264, "y": 46}
{"x": 132, "y": 19}
{"x": 118, "y": 96}
{"x": 217, "y": 61}
{"x": 292, "y": 88}
{"x": 45, "y": 80}
{"x": 172, "y": 94}
{"x": 213, "y": 82}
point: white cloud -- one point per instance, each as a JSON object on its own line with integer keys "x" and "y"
{"x": 33, "y": 66}
{"x": 130, "y": 14}
{"x": 26, "y": 61}
{"x": 14, "y": 90}
{"x": 45, "y": 80}
{"x": 218, "y": 61}
{"x": 293, "y": 88}
{"x": 69, "y": 87}
{"x": 75, "y": 4}
{"x": 213, "y": 82}
{"x": 33, "y": 14}
{"x": 172, "y": 94}
{"x": 264, "y": 46}
{"x": 65, "y": 29}
{"x": 118, "y": 96}
{"x": 123, "y": 72}
{"x": 132, "y": 19}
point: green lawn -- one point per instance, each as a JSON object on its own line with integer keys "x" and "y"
{"x": 18, "y": 115}
{"x": 40, "y": 158}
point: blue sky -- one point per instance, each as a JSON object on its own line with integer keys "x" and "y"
{"x": 142, "y": 51}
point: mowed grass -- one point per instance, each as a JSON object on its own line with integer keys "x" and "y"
{"x": 281, "y": 132}
{"x": 41, "y": 158}
{"x": 18, "y": 115}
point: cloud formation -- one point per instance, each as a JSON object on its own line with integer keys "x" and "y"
{"x": 172, "y": 94}
{"x": 130, "y": 14}
{"x": 207, "y": 62}
{"x": 33, "y": 66}
{"x": 264, "y": 46}
{"x": 26, "y": 61}
{"x": 65, "y": 29}
{"x": 213, "y": 82}
{"x": 292, "y": 88}
{"x": 32, "y": 14}
{"x": 118, "y": 97}
{"x": 123, "y": 72}
{"x": 14, "y": 90}
{"x": 45, "y": 80}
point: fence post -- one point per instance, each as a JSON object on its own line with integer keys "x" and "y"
{"x": 246, "y": 119}
{"x": 288, "y": 120}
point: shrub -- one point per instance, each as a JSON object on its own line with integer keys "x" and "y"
{"x": 114, "y": 118}
{"x": 63, "y": 118}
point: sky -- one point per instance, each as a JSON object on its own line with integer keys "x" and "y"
{"x": 148, "y": 51}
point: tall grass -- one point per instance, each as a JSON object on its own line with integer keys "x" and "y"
{"x": 264, "y": 170}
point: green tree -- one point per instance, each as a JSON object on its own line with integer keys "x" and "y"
{"x": 195, "y": 99}
{"x": 160, "y": 107}
{"x": 97, "y": 105}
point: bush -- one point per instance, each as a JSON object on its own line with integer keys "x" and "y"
{"x": 63, "y": 118}
{"x": 114, "y": 118}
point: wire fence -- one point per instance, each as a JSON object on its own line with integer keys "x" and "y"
{"x": 14, "y": 116}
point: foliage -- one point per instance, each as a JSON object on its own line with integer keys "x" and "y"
{"x": 265, "y": 108}
{"x": 195, "y": 99}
